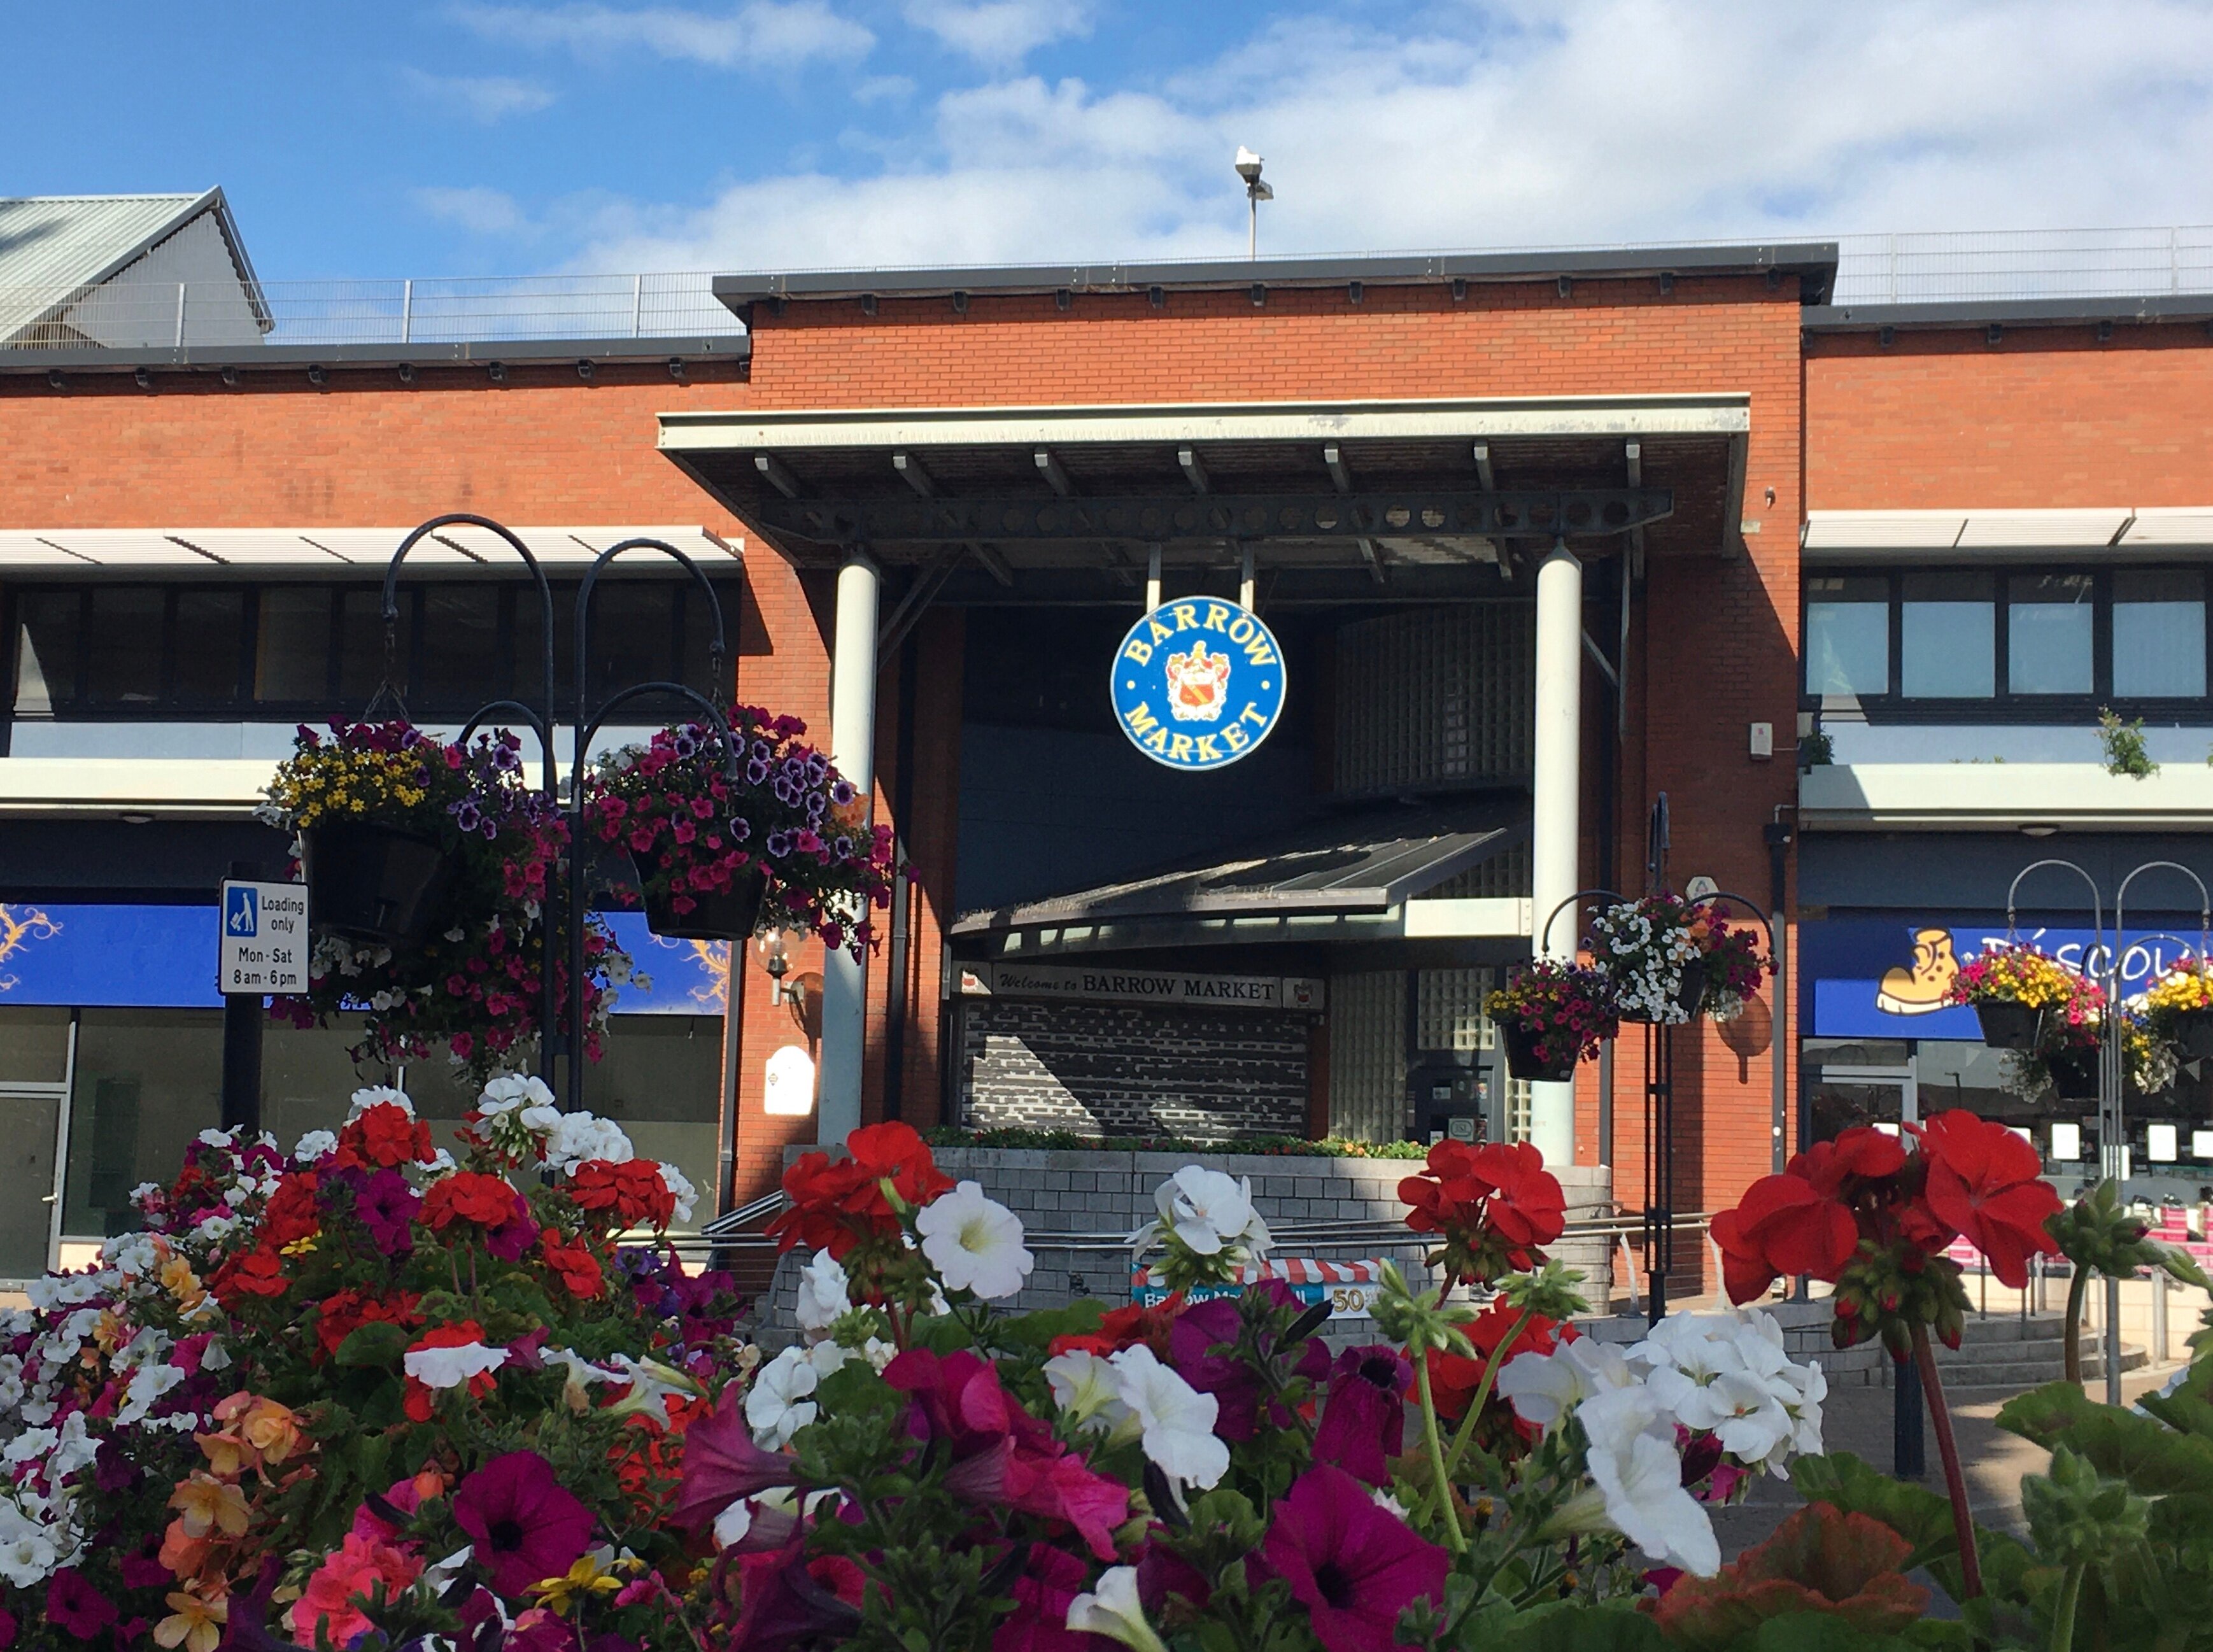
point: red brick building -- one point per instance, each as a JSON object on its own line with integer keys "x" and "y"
{"x": 971, "y": 482}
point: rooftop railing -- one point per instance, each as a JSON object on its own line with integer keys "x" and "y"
{"x": 1940, "y": 267}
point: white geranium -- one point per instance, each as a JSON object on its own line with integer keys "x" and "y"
{"x": 1114, "y": 1610}
{"x": 509, "y": 1091}
{"x": 1547, "y": 1388}
{"x": 375, "y": 1095}
{"x": 679, "y": 1185}
{"x": 975, "y": 1243}
{"x": 824, "y": 1296}
{"x": 1209, "y": 1213}
{"x": 313, "y": 1145}
{"x": 1728, "y": 1374}
{"x": 449, "y": 1368}
{"x": 1175, "y": 1420}
{"x": 578, "y": 1137}
{"x": 1637, "y": 1469}
{"x": 780, "y": 1403}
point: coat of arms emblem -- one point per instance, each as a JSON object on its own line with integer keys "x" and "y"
{"x": 1198, "y": 684}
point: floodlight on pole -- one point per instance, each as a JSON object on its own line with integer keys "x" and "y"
{"x": 1248, "y": 169}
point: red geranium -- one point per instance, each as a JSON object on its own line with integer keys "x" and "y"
{"x": 634, "y": 1190}
{"x": 468, "y": 1196}
{"x": 346, "y": 1311}
{"x": 838, "y": 1204}
{"x": 383, "y": 1137}
{"x": 1987, "y": 1183}
{"x": 421, "y": 1402}
{"x": 574, "y": 1261}
{"x": 1495, "y": 1205}
{"x": 291, "y": 1213}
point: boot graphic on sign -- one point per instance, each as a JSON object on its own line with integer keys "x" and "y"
{"x": 1923, "y": 986}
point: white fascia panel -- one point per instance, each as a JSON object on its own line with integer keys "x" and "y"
{"x": 73, "y": 787}
{"x": 1489, "y": 917}
{"x": 1727, "y": 414}
{"x": 2036, "y": 529}
{"x": 311, "y": 548}
{"x": 1988, "y": 796}
{"x": 129, "y": 547}
{"x": 22, "y": 550}
{"x": 2191, "y": 525}
{"x": 1883, "y": 530}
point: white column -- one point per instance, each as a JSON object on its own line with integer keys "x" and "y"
{"x": 1555, "y": 825}
{"x": 853, "y": 749}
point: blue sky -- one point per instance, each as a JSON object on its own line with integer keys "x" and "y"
{"x": 506, "y": 136}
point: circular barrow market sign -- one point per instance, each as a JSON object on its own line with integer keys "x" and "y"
{"x": 1198, "y": 684}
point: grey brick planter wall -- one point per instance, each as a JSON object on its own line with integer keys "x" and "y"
{"x": 1106, "y": 1196}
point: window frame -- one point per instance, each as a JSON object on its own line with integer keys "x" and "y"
{"x": 2005, "y": 705}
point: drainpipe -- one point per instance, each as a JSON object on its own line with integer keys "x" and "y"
{"x": 1779, "y": 836}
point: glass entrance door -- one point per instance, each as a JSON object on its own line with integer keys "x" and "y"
{"x": 30, "y": 1124}
{"x": 1848, "y": 1095}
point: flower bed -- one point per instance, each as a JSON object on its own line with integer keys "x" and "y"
{"x": 371, "y": 1396}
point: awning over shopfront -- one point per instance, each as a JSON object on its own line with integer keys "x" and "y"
{"x": 1352, "y": 878}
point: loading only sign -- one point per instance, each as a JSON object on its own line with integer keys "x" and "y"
{"x": 263, "y": 939}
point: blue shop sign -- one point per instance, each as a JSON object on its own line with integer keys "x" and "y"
{"x": 97, "y": 956}
{"x": 1889, "y": 977}
{"x": 1198, "y": 684}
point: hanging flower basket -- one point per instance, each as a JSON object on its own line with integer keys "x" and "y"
{"x": 1550, "y": 1016}
{"x": 2178, "y": 1009}
{"x": 730, "y": 914}
{"x": 379, "y": 884}
{"x": 2074, "y": 1073}
{"x": 429, "y": 867}
{"x": 2008, "y": 1024}
{"x": 1670, "y": 960}
{"x": 728, "y": 837}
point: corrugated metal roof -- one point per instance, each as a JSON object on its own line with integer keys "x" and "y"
{"x": 54, "y": 245}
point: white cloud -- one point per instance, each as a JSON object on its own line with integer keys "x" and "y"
{"x": 478, "y": 211}
{"x": 1519, "y": 123}
{"x": 761, "y": 34}
{"x": 1000, "y": 32}
{"x": 485, "y": 99}
{"x": 884, "y": 89}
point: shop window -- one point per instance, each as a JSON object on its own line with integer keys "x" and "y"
{"x": 2159, "y": 633}
{"x": 362, "y": 668}
{"x": 308, "y": 1077}
{"x": 2049, "y": 634}
{"x": 34, "y": 1044}
{"x": 1947, "y": 637}
{"x": 210, "y": 646}
{"x": 123, "y": 637}
{"x": 292, "y": 655}
{"x": 1848, "y": 635}
{"x": 1367, "y": 1056}
{"x": 459, "y": 645}
{"x": 48, "y": 624}
{"x": 148, "y": 1081}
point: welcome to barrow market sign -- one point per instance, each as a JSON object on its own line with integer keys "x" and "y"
{"x": 1071, "y": 982}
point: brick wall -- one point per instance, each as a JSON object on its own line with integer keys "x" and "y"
{"x": 1126, "y": 1069}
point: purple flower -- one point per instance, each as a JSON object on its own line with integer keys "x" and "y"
{"x": 388, "y": 1206}
{"x": 741, "y": 828}
{"x": 721, "y": 1464}
{"x": 511, "y": 1241}
{"x": 841, "y": 791}
{"x": 466, "y": 815}
{"x": 1364, "y": 1419}
{"x": 686, "y": 743}
{"x": 1236, "y": 1390}
{"x": 779, "y": 843}
{"x": 75, "y": 1605}
{"x": 524, "y": 1527}
{"x": 1353, "y": 1565}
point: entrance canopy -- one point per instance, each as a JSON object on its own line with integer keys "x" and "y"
{"x": 1334, "y": 502}
{"x": 1350, "y": 878}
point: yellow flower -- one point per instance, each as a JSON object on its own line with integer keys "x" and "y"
{"x": 207, "y": 1505}
{"x": 195, "y": 1624}
{"x": 586, "y": 1578}
{"x": 300, "y": 1247}
{"x": 181, "y": 1282}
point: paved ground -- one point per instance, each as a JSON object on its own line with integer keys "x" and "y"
{"x": 1858, "y": 1420}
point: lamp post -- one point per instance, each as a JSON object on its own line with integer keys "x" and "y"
{"x": 1248, "y": 168}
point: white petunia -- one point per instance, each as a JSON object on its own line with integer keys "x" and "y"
{"x": 1634, "y": 1463}
{"x": 312, "y": 1146}
{"x": 733, "y": 1522}
{"x": 377, "y": 1095}
{"x": 1114, "y": 1610}
{"x": 147, "y": 1385}
{"x": 1545, "y": 1388}
{"x": 449, "y": 1368}
{"x": 975, "y": 1243}
{"x": 780, "y": 1403}
{"x": 680, "y": 1185}
{"x": 1086, "y": 1389}
{"x": 823, "y": 1295}
{"x": 1176, "y": 1420}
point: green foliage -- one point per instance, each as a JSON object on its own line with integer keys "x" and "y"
{"x": 2077, "y": 1515}
{"x": 2152, "y": 1458}
{"x": 2124, "y": 743}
